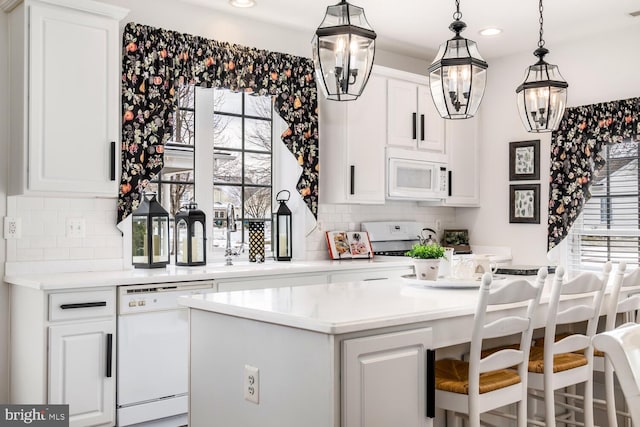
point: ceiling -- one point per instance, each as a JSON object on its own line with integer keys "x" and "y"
{"x": 417, "y": 27}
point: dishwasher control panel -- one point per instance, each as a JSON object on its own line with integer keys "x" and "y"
{"x": 158, "y": 296}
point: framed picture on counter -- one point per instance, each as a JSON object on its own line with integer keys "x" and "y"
{"x": 524, "y": 160}
{"x": 524, "y": 203}
{"x": 349, "y": 244}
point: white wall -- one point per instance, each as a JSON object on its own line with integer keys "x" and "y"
{"x": 598, "y": 69}
{"x": 4, "y": 137}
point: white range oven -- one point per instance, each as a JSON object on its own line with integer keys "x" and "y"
{"x": 153, "y": 354}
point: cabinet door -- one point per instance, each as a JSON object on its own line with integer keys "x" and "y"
{"x": 73, "y": 101}
{"x": 402, "y": 111}
{"x": 366, "y": 127}
{"x": 369, "y": 275}
{"x": 463, "y": 151}
{"x": 384, "y": 380}
{"x": 276, "y": 281}
{"x": 431, "y": 127}
{"x": 82, "y": 371}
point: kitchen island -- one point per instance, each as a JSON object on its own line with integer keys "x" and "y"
{"x": 347, "y": 354}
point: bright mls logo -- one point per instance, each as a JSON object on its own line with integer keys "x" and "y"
{"x": 34, "y": 415}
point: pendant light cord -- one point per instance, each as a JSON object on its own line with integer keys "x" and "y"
{"x": 541, "y": 41}
{"x": 457, "y": 15}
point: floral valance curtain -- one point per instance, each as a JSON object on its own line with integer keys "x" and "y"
{"x": 156, "y": 60}
{"x": 576, "y": 149}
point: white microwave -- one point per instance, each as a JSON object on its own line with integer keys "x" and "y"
{"x": 415, "y": 175}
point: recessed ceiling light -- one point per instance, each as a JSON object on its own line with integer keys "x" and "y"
{"x": 242, "y": 3}
{"x": 491, "y": 31}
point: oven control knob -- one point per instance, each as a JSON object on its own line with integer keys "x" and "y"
{"x": 141, "y": 303}
{"x": 132, "y": 303}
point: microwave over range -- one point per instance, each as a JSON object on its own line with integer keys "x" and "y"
{"x": 416, "y": 175}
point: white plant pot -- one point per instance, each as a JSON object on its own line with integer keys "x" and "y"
{"x": 426, "y": 269}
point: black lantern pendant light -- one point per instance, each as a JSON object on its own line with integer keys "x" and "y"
{"x": 190, "y": 237}
{"x": 458, "y": 74}
{"x": 150, "y": 234}
{"x": 542, "y": 97}
{"x": 283, "y": 238}
{"x": 343, "y": 51}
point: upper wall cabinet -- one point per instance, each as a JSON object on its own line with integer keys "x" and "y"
{"x": 352, "y": 141}
{"x": 413, "y": 121}
{"x": 463, "y": 153}
{"x": 64, "y": 71}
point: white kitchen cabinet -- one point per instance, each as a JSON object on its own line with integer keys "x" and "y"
{"x": 413, "y": 121}
{"x": 371, "y": 274}
{"x": 276, "y": 281}
{"x": 384, "y": 380}
{"x": 81, "y": 371}
{"x": 463, "y": 151}
{"x": 352, "y": 140}
{"x": 64, "y": 94}
{"x": 60, "y": 351}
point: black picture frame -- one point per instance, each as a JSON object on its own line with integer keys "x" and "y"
{"x": 524, "y": 204}
{"x": 524, "y": 160}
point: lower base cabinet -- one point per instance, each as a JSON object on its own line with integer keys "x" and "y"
{"x": 81, "y": 371}
{"x": 384, "y": 380}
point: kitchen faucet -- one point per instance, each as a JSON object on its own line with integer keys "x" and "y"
{"x": 231, "y": 226}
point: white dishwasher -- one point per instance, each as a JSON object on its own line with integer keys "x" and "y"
{"x": 153, "y": 353}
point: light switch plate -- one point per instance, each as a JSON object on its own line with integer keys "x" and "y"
{"x": 76, "y": 228}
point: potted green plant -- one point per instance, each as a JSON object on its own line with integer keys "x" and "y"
{"x": 426, "y": 260}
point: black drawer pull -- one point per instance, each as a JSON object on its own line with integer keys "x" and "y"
{"x": 112, "y": 166}
{"x": 374, "y": 278}
{"x": 421, "y": 127}
{"x": 450, "y": 182}
{"x": 109, "y": 352}
{"x": 84, "y": 305}
{"x": 415, "y": 128}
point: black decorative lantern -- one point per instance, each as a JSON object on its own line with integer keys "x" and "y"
{"x": 343, "y": 51}
{"x": 191, "y": 236}
{"x": 282, "y": 236}
{"x": 150, "y": 234}
{"x": 458, "y": 74}
{"x": 542, "y": 97}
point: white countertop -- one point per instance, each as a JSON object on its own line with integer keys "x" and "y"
{"x": 341, "y": 307}
{"x": 240, "y": 269}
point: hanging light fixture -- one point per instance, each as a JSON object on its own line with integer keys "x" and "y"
{"x": 542, "y": 97}
{"x": 458, "y": 74}
{"x": 343, "y": 51}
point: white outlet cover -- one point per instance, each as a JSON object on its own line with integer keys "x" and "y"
{"x": 251, "y": 384}
{"x": 12, "y": 228}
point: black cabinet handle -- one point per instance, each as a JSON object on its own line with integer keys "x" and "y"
{"x": 449, "y": 183}
{"x": 421, "y": 127}
{"x": 431, "y": 384}
{"x": 84, "y": 305}
{"x": 109, "y": 353}
{"x": 113, "y": 161}
{"x": 352, "y": 186}
{"x": 374, "y": 278}
{"x": 415, "y": 119}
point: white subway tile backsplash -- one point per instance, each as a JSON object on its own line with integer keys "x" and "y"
{"x": 81, "y": 253}
{"x": 29, "y": 254}
{"x": 52, "y": 254}
{"x": 26, "y": 204}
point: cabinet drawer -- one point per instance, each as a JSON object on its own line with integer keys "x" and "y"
{"x": 82, "y": 305}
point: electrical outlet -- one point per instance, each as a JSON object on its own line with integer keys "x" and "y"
{"x": 76, "y": 228}
{"x": 251, "y": 384}
{"x": 12, "y": 228}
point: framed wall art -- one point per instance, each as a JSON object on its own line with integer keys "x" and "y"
{"x": 524, "y": 203}
{"x": 524, "y": 160}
